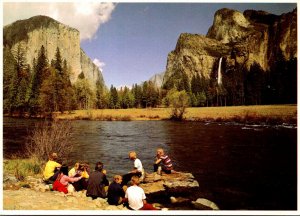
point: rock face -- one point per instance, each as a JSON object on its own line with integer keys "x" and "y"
{"x": 195, "y": 54}
{"x": 240, "y": 38}
{"x": 39, "y": 31}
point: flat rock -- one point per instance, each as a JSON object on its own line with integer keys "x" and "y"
{"x": 168, "y": 185}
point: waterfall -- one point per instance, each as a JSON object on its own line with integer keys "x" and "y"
{"x": 219, "y": 72}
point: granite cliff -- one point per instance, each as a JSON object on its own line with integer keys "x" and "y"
{"x": 44, "y": 31}
{"x": 240, "y": 39}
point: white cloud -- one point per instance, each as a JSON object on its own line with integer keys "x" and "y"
{"x": 99, "y": 64}
{"x": 86, "y": 17}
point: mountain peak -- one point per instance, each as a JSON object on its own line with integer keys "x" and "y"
{"x": 18, "y": 30}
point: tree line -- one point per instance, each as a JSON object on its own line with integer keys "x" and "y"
{"x": 240, "y": 86}
{"x": 45, "y": 87}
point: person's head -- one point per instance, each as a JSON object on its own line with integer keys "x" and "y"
{"x": 64, "y": 169}
{"x": 159, "y": 151}
{"x": 99, "y": 166}
{"x": 76, "y": 166}
{"x": 118, "y": 179}
{"x": 135, "y": 180}
{"x": 53, "y": 156}
{"x": 132, "y": 155}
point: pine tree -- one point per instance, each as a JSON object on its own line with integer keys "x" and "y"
{"x": 8, "y": 74}
{"x": 85, "y": 96}
{"x": 138, "y": 95}
{"x": 114, "y": 98}
{"x": 197, "y": 85}
{"x": 19, "y": 84}
{"x": 39, "y": 74}
{"x": 47, "y": 98}
{"x": 100, "y": 97}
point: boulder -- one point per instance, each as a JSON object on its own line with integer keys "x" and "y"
{"x": 205, "y": 204}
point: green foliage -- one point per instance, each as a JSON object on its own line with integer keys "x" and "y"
{"x": 254, "y": 84}
{"x": 9, "y": 69}
{"x": 113, "y": 98}
{"x": 40, "y": 73}
{"x": 138, "y": 95}
{"x": 81, "y": 76}
{"x": 179, "y": 101}
{"x": 101, "y": 98}
{"x": 84, "y": 94}
{"x": 58, "y": 63}
{"x": 47, "y": 97}
{"x": 150, "y": 95}
{"x": 178, "y": 80}
{"x": 281, "y": 82}
{"x": 126, "y": 98}
{"x": 198, "y": 99}
{"x": 198, "y": 85}
{"x": 18, "y": 82}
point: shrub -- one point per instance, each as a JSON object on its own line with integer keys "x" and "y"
{"x": 179, "y": 101}
{"x": 48, "y": 137}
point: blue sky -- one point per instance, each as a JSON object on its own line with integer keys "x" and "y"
{"x": 135, "y": 42}
{"x": 130, "y": 42}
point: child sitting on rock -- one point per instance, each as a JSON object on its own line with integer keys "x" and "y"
{"x": 115, "y": 193}
{"x": 62, "y": 182}
{"x": 137, "y": 170}
{"x": 135, "y": 196}
{"x": 163, "y": 161}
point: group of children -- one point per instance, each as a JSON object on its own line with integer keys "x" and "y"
{"x": 96, "y": 184}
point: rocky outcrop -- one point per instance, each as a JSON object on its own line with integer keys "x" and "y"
{"x": 89, "y": 69}
{"x": 39, "y": 31}
{"x": 160, "y": 188}
{"x": 241, "y": 39}
{"x": 195, "y": 54}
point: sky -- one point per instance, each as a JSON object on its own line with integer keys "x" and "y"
{"x": 130, "y": 42}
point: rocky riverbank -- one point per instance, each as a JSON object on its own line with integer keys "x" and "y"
{"x": 33, "y": 194}
{"x": 161, "y": 190}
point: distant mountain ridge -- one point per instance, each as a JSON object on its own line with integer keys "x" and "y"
{"x": 44, "y": 31}
{"x": 157, "y": 79}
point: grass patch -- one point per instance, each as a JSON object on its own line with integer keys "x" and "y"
{"x": 21, "y": 168}
{"x": 272, "y": 114}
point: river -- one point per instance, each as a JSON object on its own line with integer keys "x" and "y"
{"x": 239, "y": 167}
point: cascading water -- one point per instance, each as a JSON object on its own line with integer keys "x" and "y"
{"x": 219, "y": 72}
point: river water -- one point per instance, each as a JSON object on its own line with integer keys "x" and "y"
{"x": 239, "y": 167}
